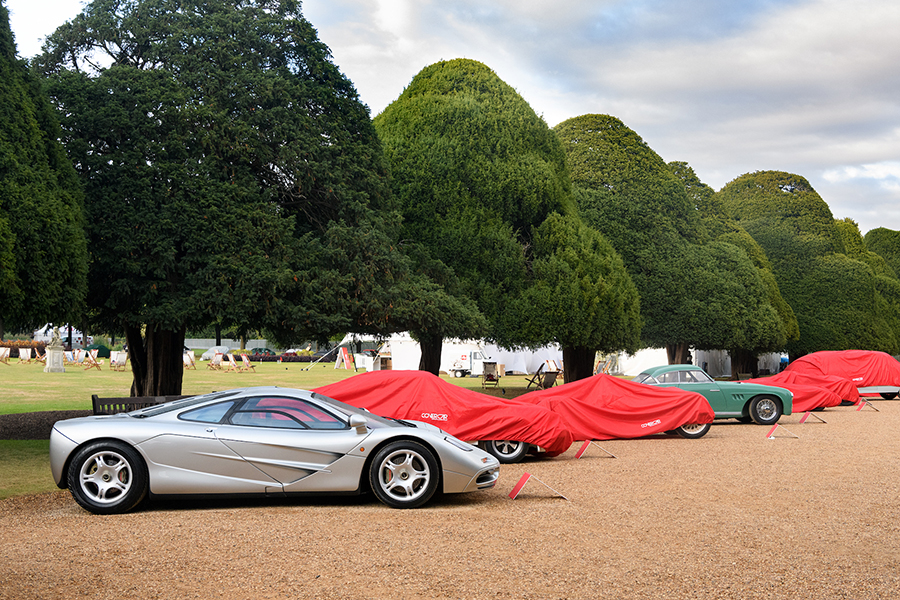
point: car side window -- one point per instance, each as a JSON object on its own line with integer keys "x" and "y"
{"x": 284, "y": 412}
{"x": 697, "y": 376}
{"x": 207, "y": 414}
{"x": 688, "y": 377}
{"x": 670, "y": 377}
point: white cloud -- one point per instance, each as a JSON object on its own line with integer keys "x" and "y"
{"x": 805, "y": 86}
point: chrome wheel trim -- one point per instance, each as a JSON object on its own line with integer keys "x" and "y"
{"x": 693, "y": 427}
{"x": 404, "y": 475}
{"x": 105, "y": 477}
{"x": 766, "y": 408}
{"x": 507, "y": 447}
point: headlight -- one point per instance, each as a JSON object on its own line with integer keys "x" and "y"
{"x": 459, "y": 444}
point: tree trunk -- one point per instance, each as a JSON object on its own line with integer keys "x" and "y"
{"x": 431, "y": 353}
{"x": 578, "y": 363}
{"x": 156, "y": 362}
{"x": 743, "y": 361}
{"x": 678, "y": 353}
{"x": 218, "y": 335}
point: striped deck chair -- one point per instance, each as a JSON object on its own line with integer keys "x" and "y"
{"x": 232, "y": 365}
{"x": 4, "y": 356}
{"x": 216, "y": 363}
{"x": 118, "y": 360}
{"x": 248, "y": 366}
{"x": 188, "y": 359}
{"x": 24, "y": 356}
{"x": 91, "y": 362}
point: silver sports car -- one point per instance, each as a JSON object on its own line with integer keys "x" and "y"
{"x": 267, "y": 441}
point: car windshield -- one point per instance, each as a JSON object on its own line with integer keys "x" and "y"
{"x": 644, "y": 378}
{"x": 152, "y": 411}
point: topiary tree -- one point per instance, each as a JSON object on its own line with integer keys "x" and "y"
{"x": 835, "y": 297}
{"x": 476, "y": 172}
{"x": 758, "y": 334}
{"x": 580, "y": 295}
{"x": 693, "y": 293}
{"x": 43, "y": 253}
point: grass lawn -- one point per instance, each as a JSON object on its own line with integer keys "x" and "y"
{"x": 24, "y": 465}
{"x": 26, "y": 388}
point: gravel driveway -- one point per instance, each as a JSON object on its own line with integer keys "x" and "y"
{"x": 732, "y": 515}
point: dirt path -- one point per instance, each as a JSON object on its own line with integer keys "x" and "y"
{"x": 733, "y": 515}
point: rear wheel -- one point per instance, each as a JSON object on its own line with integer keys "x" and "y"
{"x": 765, "y": 410}
{"x": 404, "y": 474}
{"x": 506, "y": 451}
{"x": 108, "y": 478}
{"x": 693, "y": 431}
{"x": 888, "y": 395}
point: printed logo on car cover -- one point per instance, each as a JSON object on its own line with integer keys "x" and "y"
{"x": 434, "y": 416}
{"x": 652, "y": 423}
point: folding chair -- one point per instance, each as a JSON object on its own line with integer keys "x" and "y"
{"x": 90, "y": 359}
{"x": 216, "y": 363}
{"x": 248, "y": 366}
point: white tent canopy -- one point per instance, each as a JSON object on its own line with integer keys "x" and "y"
{"x": 405, "y": 353}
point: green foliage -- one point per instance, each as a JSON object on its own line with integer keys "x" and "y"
{"x": 756, "y": 333}
{"x": 581, "y": 294}
{"x": 660, "y": 218}
{"x": 473, "y": 170}
{"x": 43, "y": 254}
{"x": 232, "y": 174}
{"x": 885, "y": 243}
{"x": 835, "y": 286}
{"x": 783, "y": 200}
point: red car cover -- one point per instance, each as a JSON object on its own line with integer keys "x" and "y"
{"x": 603, "y": 407}
{"x": 811, "y": 392}
{"x": 863, "y": 368}
{"x": 468, "y": 415}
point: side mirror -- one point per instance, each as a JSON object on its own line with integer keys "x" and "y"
{"x": 358, "y": 422}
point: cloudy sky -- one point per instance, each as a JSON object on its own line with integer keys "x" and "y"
{"x": 806, "y": 86}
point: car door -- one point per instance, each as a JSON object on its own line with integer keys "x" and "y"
{"x": 302, "y": 445}
{"x": 696, "y": 380}
{"x": 189, "y": 458}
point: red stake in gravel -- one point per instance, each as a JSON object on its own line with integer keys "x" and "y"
{"x": 771, "y": 433}
{"x": 518, "y": 488}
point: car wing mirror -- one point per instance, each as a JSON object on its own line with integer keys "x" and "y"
{"x": 358, "y": 422}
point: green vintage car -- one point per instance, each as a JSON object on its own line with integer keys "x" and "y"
{"x": 746, "y": 402}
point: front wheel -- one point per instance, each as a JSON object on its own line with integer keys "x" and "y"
{"x": 404, "y": 474}
{"x": 108, "y": 478}
{"x": 888, "y": 395}
{"x": 765, "y": 410}
{"x": 693, "y": 431}
{"x": 506, "y": 451}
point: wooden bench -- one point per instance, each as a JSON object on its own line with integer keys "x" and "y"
{"x": 111, "y": 406}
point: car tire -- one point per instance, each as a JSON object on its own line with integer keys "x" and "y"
{"x": 404, "y": 474}
{"x": 693, "y": 431}
{"x": 506, "y": 451}
{"x": 888, "y": 395}
{"x": 765, "y": 410}
{"x": 457, "y": 373}
{"x": 108, "y": 478}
